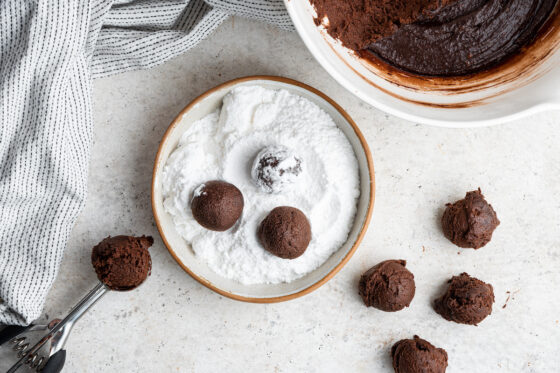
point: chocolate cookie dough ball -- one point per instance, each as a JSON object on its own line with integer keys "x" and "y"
{"x": 217, "y": 205}
{"x": 388, "y": 286}
{"x": 418, "y": 356}
{"x": 122, "y": 262}
{"x": 466, "y": 301}
{"x": 285, "y": 232}
{"x": 274, "y": 168}
{"x": 469, "y": 222}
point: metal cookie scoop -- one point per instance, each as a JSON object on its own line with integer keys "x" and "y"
{"x": 47, "y": 355}
{"x": 121, "y": 263}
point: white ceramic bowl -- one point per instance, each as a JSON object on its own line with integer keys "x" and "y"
{"x": 198, "y": 269}
{"x": 526, "y": 85}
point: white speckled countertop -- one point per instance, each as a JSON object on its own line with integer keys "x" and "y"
{"x": 173, "y": 324}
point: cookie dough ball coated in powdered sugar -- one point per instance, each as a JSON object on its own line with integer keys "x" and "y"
{"x": 276, "y": 167}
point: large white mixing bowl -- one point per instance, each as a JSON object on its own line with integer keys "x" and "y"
{"x": 528, "y": 83}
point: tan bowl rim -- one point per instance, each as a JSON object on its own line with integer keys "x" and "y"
{"x": 363, "y": 231}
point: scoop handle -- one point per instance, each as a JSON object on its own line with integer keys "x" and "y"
{"x": 10, "y": 332}
{"x": 55, "y": 363}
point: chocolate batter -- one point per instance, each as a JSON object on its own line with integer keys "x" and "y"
{"x": 456, "y": 38}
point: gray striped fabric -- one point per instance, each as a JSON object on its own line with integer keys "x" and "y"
{"x": 49, "y": 50}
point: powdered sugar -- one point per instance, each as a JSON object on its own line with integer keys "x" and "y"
{"x": 199, "y": 190}
{"x": 223, "y": 146}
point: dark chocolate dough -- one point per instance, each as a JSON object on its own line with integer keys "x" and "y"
{"x": 388, "y": 286}
{"x": 447, "y": 38}
{"x": 285, "y": 232}
{"x": 122, "y": 262}
{"x": 217, "y": 205}
{"x": 469, "y": 222}
{"x": 418, "y": 356}
{"x": 466, "y": 301}
{"x": 464, "y": 37}
{"x": 359, "y": 23}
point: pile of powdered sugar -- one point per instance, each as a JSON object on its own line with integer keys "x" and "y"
{"x": 223, "y": 146}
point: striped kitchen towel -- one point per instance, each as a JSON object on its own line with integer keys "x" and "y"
{"x": 49, "y": 51}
